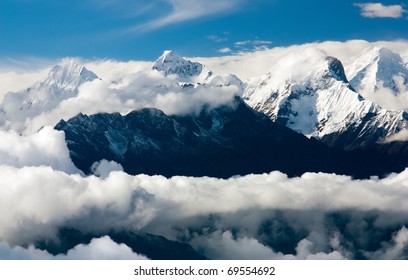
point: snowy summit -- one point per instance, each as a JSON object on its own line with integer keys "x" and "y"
{"x": 68, "y": 75}
{"x": 378, "y": 68}
{"x": 320, "y": 102}
{"x": 170, "y": 63}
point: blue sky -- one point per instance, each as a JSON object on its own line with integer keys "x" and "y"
{"x": 142, "y": 29}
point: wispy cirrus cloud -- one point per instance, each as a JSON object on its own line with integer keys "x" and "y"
{"x": 246, "y": 46}
{"x": 217, "y": 39}
{"x": 182, "y": 11}
{"x": 378, "y": 10}
{"x": 252, "y": 42}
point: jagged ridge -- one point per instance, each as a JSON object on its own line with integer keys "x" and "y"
{"x": 221, "y": 142}
{"x": 322, "y": 104}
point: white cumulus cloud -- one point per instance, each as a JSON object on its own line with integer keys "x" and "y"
{"x": 222, "y": 245}
{"x": 225, "y": 50}
{"x": 47, "y": 147}
{"x": 378, "y": 10}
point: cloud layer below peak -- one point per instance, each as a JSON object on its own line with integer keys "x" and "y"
{"x": 312, "y": 216}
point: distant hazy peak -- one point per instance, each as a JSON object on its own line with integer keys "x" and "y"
{"x": 377, "y": 68}
{"x": 68, "y": 75}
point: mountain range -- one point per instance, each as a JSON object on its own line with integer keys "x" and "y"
{"x": 314, "y": 98}
{"x": 222, "y": 142}
{"x": 309, "y": 113}
{"x": 233, "y": 139}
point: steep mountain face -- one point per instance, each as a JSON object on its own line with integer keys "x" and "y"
{"x": 171, "y": 63}
{"x": 321, "y": 103}
{"x": 378, "y": 68}
{"x": 221, "y": 142}
{"x": 61, "y": 83}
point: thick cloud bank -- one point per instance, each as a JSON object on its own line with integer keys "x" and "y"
{"x": 267, "y": 216}
{"x": 100, "y": 248}
{"x": 44, "y": 148}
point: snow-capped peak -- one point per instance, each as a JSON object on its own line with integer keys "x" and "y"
{"x": 379, "y": 67}
{"x": 321, "y": 103}
{"x": 171, "y": 63}
{"x": 68, "y": 75}
{"x": 62, "y": 83}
